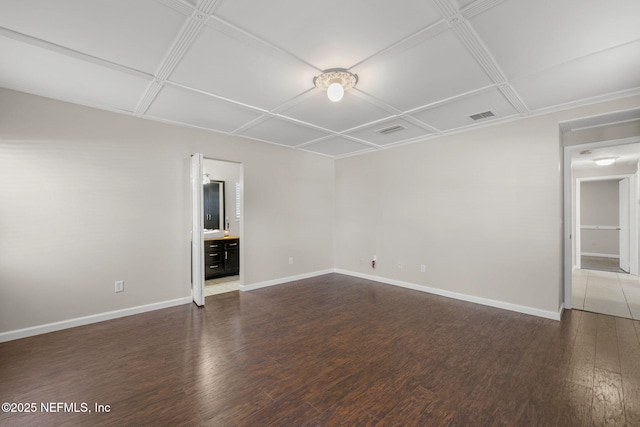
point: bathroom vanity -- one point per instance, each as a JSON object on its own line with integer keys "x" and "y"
{"x": 221, "y": 257}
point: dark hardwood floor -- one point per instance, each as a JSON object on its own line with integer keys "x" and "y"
{"x": 332, "y": 350}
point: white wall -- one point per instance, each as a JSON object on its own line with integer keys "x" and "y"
{"x": 88, "y": 197}
{"x": 603, "y": 133}
{"x": 482, "y": 210}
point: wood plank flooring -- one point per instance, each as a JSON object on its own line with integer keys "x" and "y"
{"x": 331, "y": 350}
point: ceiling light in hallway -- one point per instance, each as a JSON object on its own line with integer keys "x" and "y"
{"x": 605, "y": 161}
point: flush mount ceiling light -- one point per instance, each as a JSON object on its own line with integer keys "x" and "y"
{"x": 335, "y": 82}
{"x": 605, "y": 161}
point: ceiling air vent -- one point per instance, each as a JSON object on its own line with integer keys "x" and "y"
{"x": 483, "y": 115}
{"x": 391, "y": 129}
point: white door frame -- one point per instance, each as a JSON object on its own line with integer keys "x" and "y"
{"x": 197, "y": 210}
{"x": 197, "y": 231}
{"x": 624, "y": 224}
{"x": 634, "y": 252}
{"x": 569, "y": 226}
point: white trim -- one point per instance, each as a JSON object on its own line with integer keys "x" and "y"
{"x": 86, "y": 320}
{"x": 624, "y": 215}
{"x": 282, "y": 280}
{"x": 633, "y": 226}
{"x": 463, "y": 297}
{"x": 571, "y": 236}
{"x": 197, "y": 230}
{"x": 95, "y": 318}
{"x": 576, "y": 215}
{"x": 603, "y": 177}
{"x": 600, "y": 227}
{"x": 599, "y": 255}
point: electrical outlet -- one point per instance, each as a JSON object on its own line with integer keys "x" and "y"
{"x": 120, "y": 286}
{"x": 423, "y": 268}
{"x": 400, "y": 265}
{"x": 290, "y": 260}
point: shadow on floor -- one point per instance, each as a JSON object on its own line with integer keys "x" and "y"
{"x": 601, "y": 264}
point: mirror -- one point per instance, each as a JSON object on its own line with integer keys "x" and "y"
{"x": 213, "y": 205}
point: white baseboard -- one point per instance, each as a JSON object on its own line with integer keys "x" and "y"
{"x": 599, "y": 255}
{"x": 282, "y": 280}
{"x": 80, "y": 321}
{"x": 463, "y": 297}
{"x": 94, "y": 318}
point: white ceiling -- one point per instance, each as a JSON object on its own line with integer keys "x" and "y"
{"x": 246, "y": 67}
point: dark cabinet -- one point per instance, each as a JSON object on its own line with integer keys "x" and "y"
{"x": 232, "y": 257}
{"x": 221, "y": 258}
{"x": 213, "y": 259}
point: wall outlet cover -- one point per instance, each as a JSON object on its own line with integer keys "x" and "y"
{"x": 120, "y": 286}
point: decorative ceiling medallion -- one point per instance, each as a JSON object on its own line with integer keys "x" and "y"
{"x": 340, "y": 75}
{"x": 335, "y": 81}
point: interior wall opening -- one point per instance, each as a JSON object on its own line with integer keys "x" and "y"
{"x": 601, "y": 235}
{"x": 222, "y": 193}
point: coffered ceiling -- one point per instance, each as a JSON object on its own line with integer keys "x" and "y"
{"x": 246, "y": 67}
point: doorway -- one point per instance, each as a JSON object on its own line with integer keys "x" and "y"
{"x": 216, "y": 206}
{"x": 225, "y": 177}
{"x": 601, "y": 229}
{"x": 602, "y": 224}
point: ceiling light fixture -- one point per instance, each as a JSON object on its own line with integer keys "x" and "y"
{"x": 335, "y": 82}
{"x": 605, "y": 161}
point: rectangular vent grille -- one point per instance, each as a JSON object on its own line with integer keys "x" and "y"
{"x": 391, "y": 129}
{"x": 483, "y": 115}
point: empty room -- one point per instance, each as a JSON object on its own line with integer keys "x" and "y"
{"x": 246, "y": 213}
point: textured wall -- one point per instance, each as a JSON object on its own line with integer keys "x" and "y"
{"x": 482, "y": 210}
{"x": 89, "y": 197}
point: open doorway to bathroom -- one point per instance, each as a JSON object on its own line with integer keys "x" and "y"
{"x": 222, "y": 209}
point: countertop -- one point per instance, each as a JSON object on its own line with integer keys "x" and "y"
{"x": 221, "y": 238}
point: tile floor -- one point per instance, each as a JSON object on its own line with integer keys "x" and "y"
{"x": 221, "y": 285}
{"x": 616, "y": 294}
